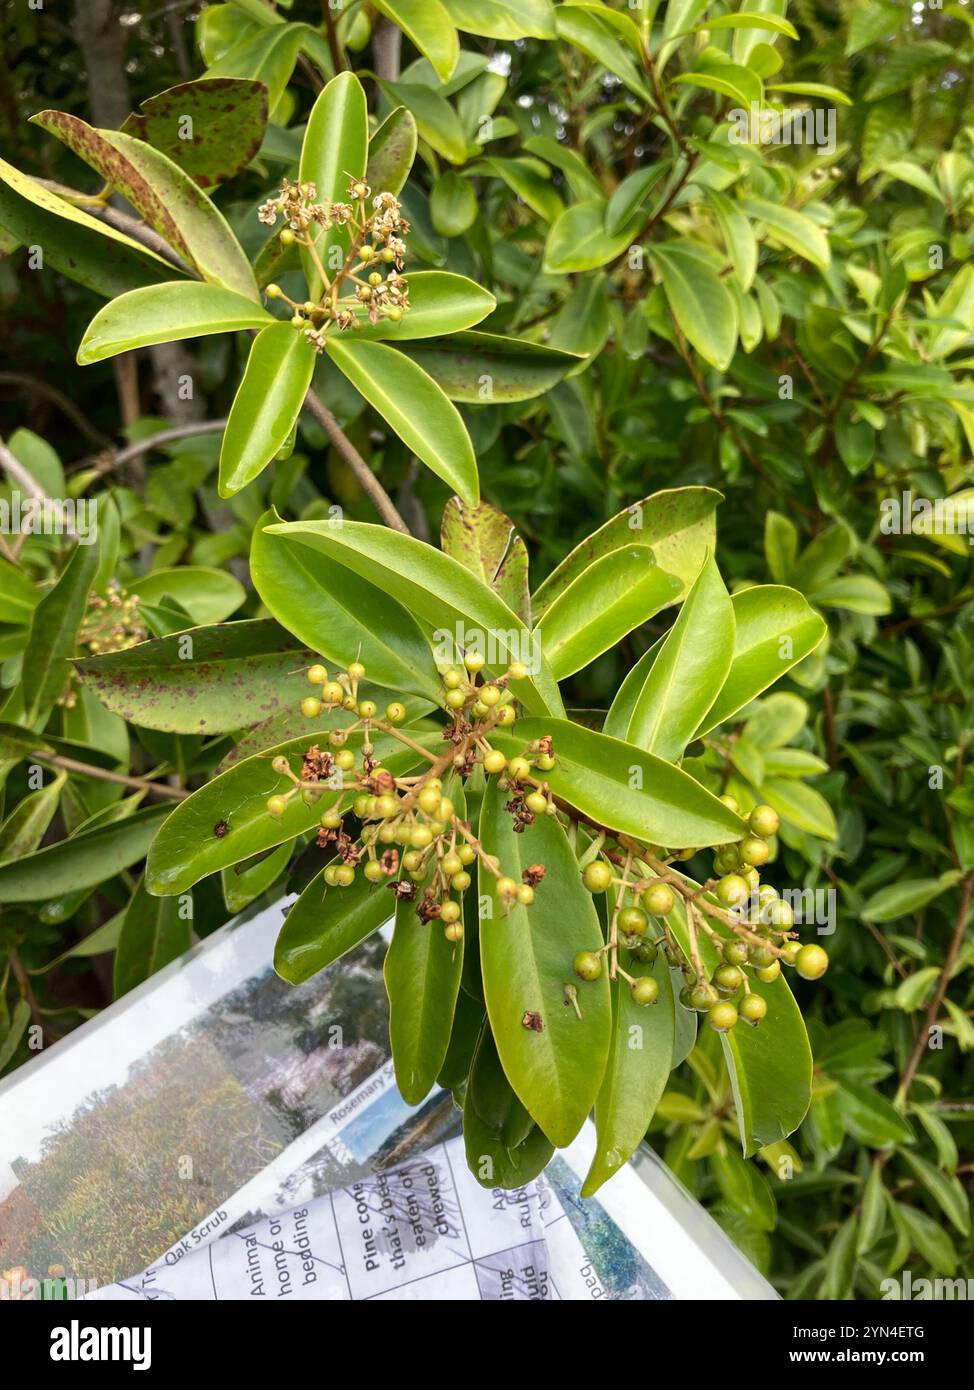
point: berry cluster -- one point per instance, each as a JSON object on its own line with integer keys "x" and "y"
{"x": 112, "y": 623}
{"x": 759, "y": 921}
{"x": 410, "y": 834}
{"x": 369, "y": 284}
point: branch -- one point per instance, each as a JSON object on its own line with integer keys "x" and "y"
{"x": 363, "y": 473}
{"x": 66, "y": 406}
{"x": 88, "y": 770}
{"x": 151, "y": 441}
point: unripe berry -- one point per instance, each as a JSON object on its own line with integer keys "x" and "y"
{"x": 728, "y": 979}
{"x": 474, "y": 661}
{"x": 703, "y": 996}
{"x": 780, "y": 913}
{"x": 633, "y": 921}
{"x": 345, "y": 875}
{"x": 421, "y": 836}
{"x": 811, "y": 962}
{"x": 454, "y": 699}
{"x": 452, "y": 678}
{"x": 460, "y": 881}
{"x": 449, "y": 911}
{"x": 751, "y": 877}
{"x": 769, "y": 973}
{"x": 489, "y": 695}
{"x": 587, "y": 965}
{"x": 545, "y": 762}
{"x": 332, "y": 693}
{"x": 345, "y": 760}
{"x": 330, "y": 875}
{"x": 367, "y": 709}
{"x": 506, "y": 716}
{"x": 276, "y": 805}
{"x": 467, "y": 854}
{"x": 480, "y": 710}
{"x": 287, "y": 236}
{"x": 386, "y": 805}
{"x": 494, "y": 761}
{"x": 453, "y": 931}
{"x": 726, "y": 859}
{"x": 506, "y": 887}
{"x": 762, "y": 957}
{"x": 387, "y": 833}
{"x": 444, "y": 810}
{"x": 281, "y": 766}
{"x": 395, "y": 713}
{"x": 429, "y": 800}
{"x": 789, "y": 952}
{"x": 731, "y": 802}
{"x": 644, "y": 990}
{"x": 597, "y": 876}
{"x": 298, "y": 321}
{"x": 375, "y": 279}
{"x": 752, "y": 1009}
{"x": 732, "y": 890}
{"x": 273, "y": 291}
{"x": 331, "y": 820}
{"x": 373, "y": 870}
{"x": 387, "y": 255}
{"x": 317, "y": 674}
{"x": 764, "y": 820}
{"x": 754, "y": 850}
{"x": 722, "y": 1016}
{"x": 518, "y": 769}
{"x": 411, "y": 860}
{"x": 525, "y": 894}
{"x": 356, "y": 671}
{"x": 451, "y": 863}
{"x": 658, "y": 899}
{"x": 536, "y": 802}
{"x": 310, "y": 707}
{"x": 517, "y": 671}
{"x": 361, "y": 806}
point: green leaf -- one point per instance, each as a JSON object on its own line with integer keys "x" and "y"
{"x": 392, "y": 150}
{"x": 479, "y": 367}
{"x": 577, "y": 239}
{"x": 869, "y": 1117}
{"x": 800, "y": 805}
{"x": 745, "y": 1188}
{"x": 82, "y": 861}
{"x": 638, "y": 1068}
{"x": 453, "y": 204}
{"x": 437, "y": 589}
{"x": 484, "y": 540}
{"x": 439, "y": 302}
{"x": 624, "y": 788}
{"x": 589, "y": 30}
{"x": 504, "y": 19}
{"x": 53, "y": 634}
{"x": 628, "y": 196}
{"x": 165, "y": 313}
{"x": 793, "y": 229}
{"x": 242, "y": 883}
{"x": 342, "y": 616}
{"x": 422, "y": 974}
{"x": 524, "y": 180}
{"x": 775, "y": 628}
{"x": 325, "y": 923}
{"x": 334, "y": 154}
{"x": 490, "y": 1093}
{"x": 18, "y": 596}
{"x": 415, "y": 407}
{"x": 872, "y": 1218}
{"x": 947, "y": 1192}
{"x": 227, "y": 820}
{"x": 19, "y": 1019}
{"x": 426, "y": 23}
{"x": 168, "y": 199}
{"x": 555, "y": 1072}
{"x": 741, "y": 85}
{"x": 687, "y": 673}
{"x": 906, "y": 897}
{"x": 267, "y": 404}
{"x": 929, "y": 1238}
{"x": 25, "y": 827}
{"x": 268, "y": 56}
{"x": 617, "y": 593}
{"x": 749, "y": 19}
{"x": 207, "y": 595}
{"x": 75, "y": 243}
{"x": 699, "y": 300}
{"x": 780, "y": 546}
{"x": 740, "y": 242}
{"x": 232, "y": 112}
{"x": 154, "y": 931}
{"x": 436, "y": 120}
{"x": 209, "y": 680}
{"x": 493, "y": 1163}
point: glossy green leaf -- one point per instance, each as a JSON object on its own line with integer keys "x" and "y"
{"x": 800, "y": 805}
{"x": 946, "y": 1191}
{"x": 812, "y": 89}
{"x": 422, "y": 973}
{"x": 740, "y": 243}
{"x": 524, "y": 180}
{"x": 617, "y": 593}
{"x": 209, "y": 680}
{"x": 453, "y": 204}
{"x": 485, "y": 541}
{"x": 687, "y": 673}
{"x": 326, "y": 923}
{"x": 504, "y": 19}
{"x": 628, "y": 197}
{"x": 749, "y": 19}
{"x": 79, "y": 245}
{"x": 426, "y": 23}
{"x": 267, "y": 56}
{"x": 578, "y": 240}
{"x": 207, "y": 595}
{"x": 677, "y": 524}
{"x": 745, "y": 1188}
{"x": 242, "y": 883}
{"x": 334, "y": 154}
{"x": 638, "y": 1068}
{"x": 906, "y": 897}
{"x": 18, "y": 596}
{"x": 339, "y": 614}
{"x": 165, "y": 313}
{"x": 439, "y": 302}
{"x": 53, "y": 634}
{"x": 267, "y": 404}
{"x": 228, "y": 114}
{"x": 775, "y": 627}
{"x": 493, "y": 1163}
{"x": 168, "y": 199}
{"x": 83, "y": 860}
{"x": 27, "y": 823}
{"x": 416, "y": 409}
{"x": 793, "y": 229}
{"x": 555, "y": 1070}
{"x": 588, "y": 29}
{"x": 623, "y": 788}
{"x": 227, "y": 821}
{"x": 392, "y": 150}
{"x": 699, "y": 300}
{"x": 437, "y": 589}
{"x": 436, "y": 120}
{"x": 154, "y": 931}
{"x": 869, "y": 1117}
{"x": 484, "y": 367}
{"x": 20, "y": 1017}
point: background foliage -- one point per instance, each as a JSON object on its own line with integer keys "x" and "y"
{"x": 797, "y": 334}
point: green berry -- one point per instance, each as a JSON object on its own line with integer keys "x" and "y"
{"x": 597, "y": 876}
{"x": 722, "y": 1016}
{"x": 474, "y": 661}
{"x": 780, "y": 913}
{"x": 732, "y": 890}
{"x": 450, "y": 911}
{"x": 752, "y": 1009}
{"x": 460, "y": 881}
{"x": 451, "y": 863}
{"x": 317, "y": 674}
{"x": 726, "y": 859}
{"x": 811, "y": 962}
{"x": 453, "y": 931}
{"x": 731, "y": 802}
{"x": 587, "y": 965}
{"x": 735, "y": 952}
{"x": 356, "y": 671}
{"x": 506, "y": 887}
{"x": 454, "y": 699}
{"x": 287, "y": 236}
{"x": 525, "y": 894}
{"x": 644, "y": 990}
{"x": 452, "y": 678}
{"x": 658, "y": 899}
{"x": 728, "y": 979}
{"x": 276, "y": 805}
{"x": 367, "y": 709}
{"x": 494, "y": 761}
{"x": 429, "y": 800}
{"x": 330, "y": 871}
{"x": 518, "y": 769}
{"x": 386, "y": 805}
{"x": 345, "y": 760}
{"x": 769, "y": 973}
{"x": 411, "y": 860}
{"x": 344, "y": 875}
{"x": 754, "y": 850}
{"x": 467, "y": 854}
{"x": 395, "y": 713}
{"x": 703, "y": 996}
{"x": 421, "y": 836}
{"x": 764, "y": 820}
{"x": 633, "y": 921}
{"x": 536, "y": 802}
{"x": 310, "y": 707}
{"x": 489, "y": 695}
{"x": 762, "y": 957}
{"x": 331, "y": 820}
{"x": 373, "y": 870}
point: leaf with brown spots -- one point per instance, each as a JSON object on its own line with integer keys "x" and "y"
{"x": 166, "y": 197}
{"x": 484, "y": 540}
{"x": 212, "y": 128}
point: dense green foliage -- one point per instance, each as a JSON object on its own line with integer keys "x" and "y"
{"x": 678, "y": 403}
